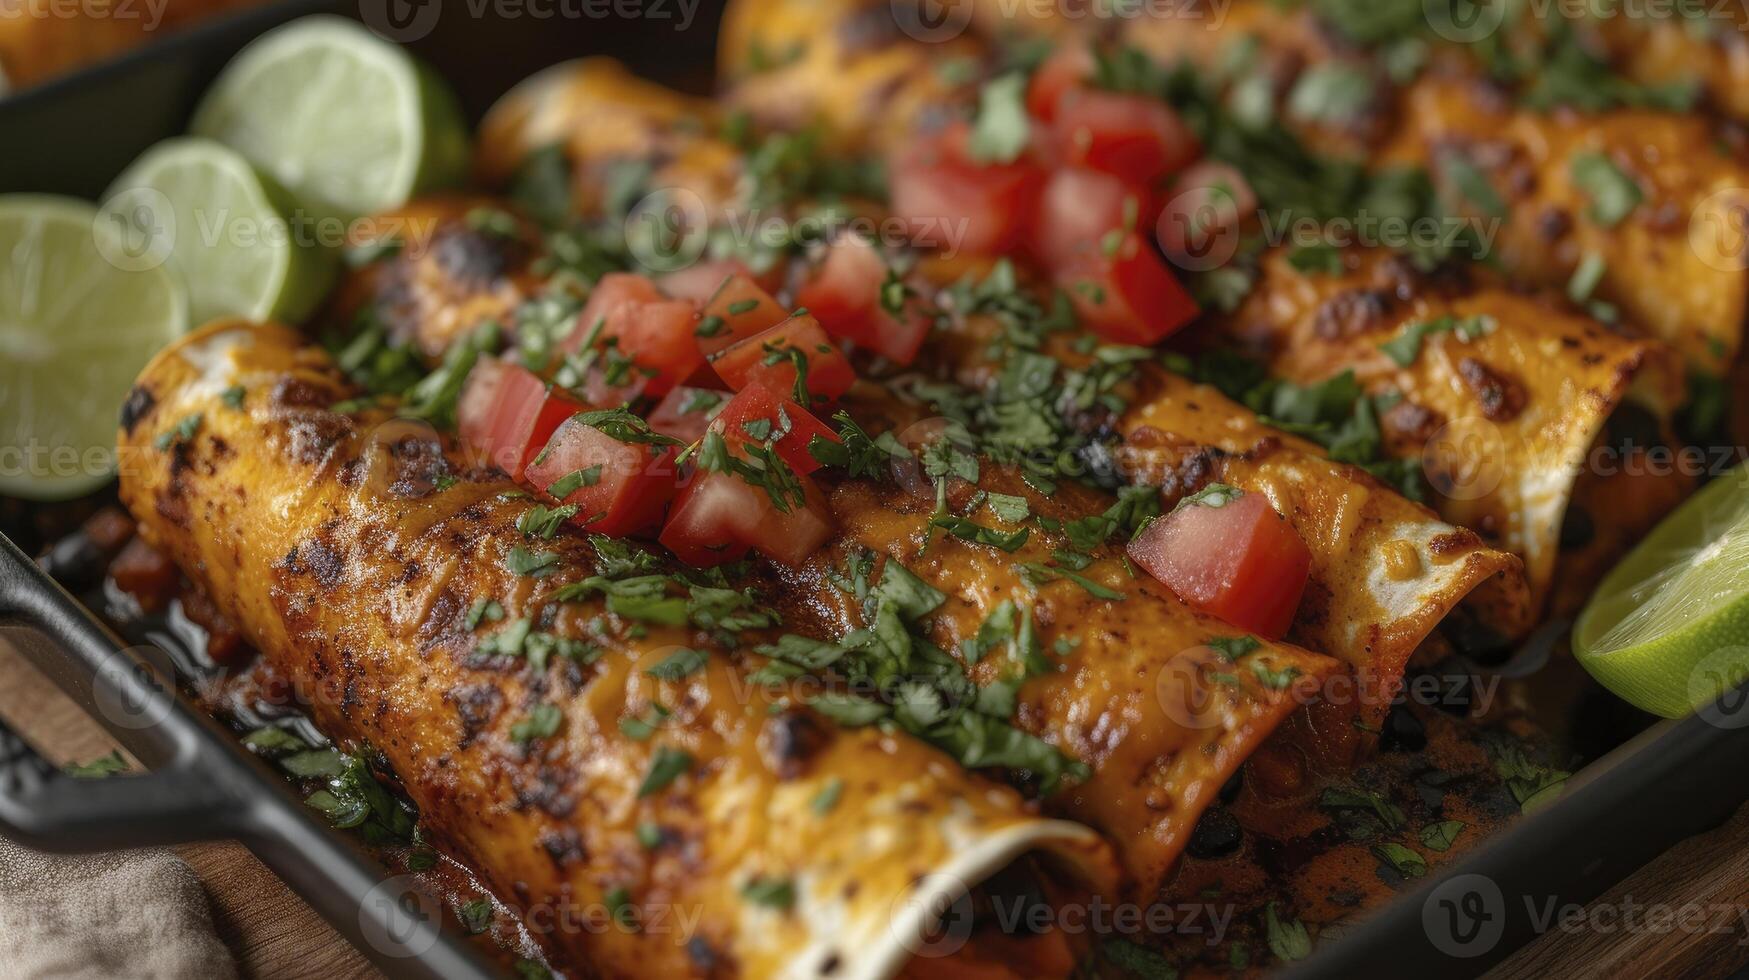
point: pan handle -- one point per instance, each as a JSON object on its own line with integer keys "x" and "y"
{"x": 41, "y": 806}
{"x": 47, "y": 809}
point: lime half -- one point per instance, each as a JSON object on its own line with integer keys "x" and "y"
{"x": 77, "y": 324}
{"x": 345, "y": 121}
{"x": 1668, "y": 629}
{"x": 224, "y": 229}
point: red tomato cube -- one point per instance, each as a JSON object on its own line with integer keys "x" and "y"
{"x": 1132, "y": 137}
{"x": 955, "y": 205}
{"x": 685, "y": 413}
{"x": 759, "y": 415}
{"x": 1065, "y": 69}
{"x": 712, "y": 520}
{"x": 614, "y": 291}
{"x": 737, "y": 309}
{"x": 655, "y": 332}
{"x": 619, "y": 487}
{"x": 1240, "y": 560}
{"x": 844, "y": 294}
{"x": 506, "y": 414}
{"x": 1128, "y": 294}
{"x": 1079, "y": 209}
{"x": 719, "y": 516}
{"x": 770, "y": 358}
{"x": 699, "y": 281}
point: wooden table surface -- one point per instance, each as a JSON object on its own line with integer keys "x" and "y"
{"x": 275, "y": 936}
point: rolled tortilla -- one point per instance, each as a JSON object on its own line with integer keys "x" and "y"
{"x": 601, "y": 116}
{"x": 1677, "y": 265}
{"x": 866, "y": 71}
{"x": 1504, "y": 398}
{"x": 1139, "y": 688}
{"x": 326, "y": 539}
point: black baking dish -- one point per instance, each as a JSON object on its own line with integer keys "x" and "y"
{"x": 73, "y": 135}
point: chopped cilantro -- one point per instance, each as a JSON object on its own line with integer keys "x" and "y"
{"x": 666, "y": 765}
{"x": 1403, "y": 860}
{"x": 180, "y": 433}
{"x": 681, "y": 663}
{"x": 476, "y": 915}
{"x": 1287, "y": 938}
{"x": 534, "y": 564}
{"x": 575, "y": 480}
{"x": 1613, "y": 194}
{"x": 641, "y": 729}
{"x": 827, "y": 798}
{"x": 540, "y": 521}
{"x": 777, "y": 893}
{"x": 1440, "y": 836}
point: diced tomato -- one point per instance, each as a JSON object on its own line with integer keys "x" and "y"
{"x": 769, "y": 358}
{"x": 685, "y": 413}
{"x": 699, "y": 281}
{"x": 1132, "y": 137}
{"x": 845, "y": 285}
{"x": 1200, "y": 224}
{"x": 952, "y": 203}
{"x": 1078, "y": 210}
{"x": 753, "y": 415}
{"x": 792, "y": 537}
{"x": 1065, "y": 69}
{"x": 711, "y": 521}
{"x": 655, "y": 332}
{"x": 506, "y": 414}
{"x": 597, "y": 392}
{"x": 1128, "y": 295}
{"x": 844, "y": 294}
{"x": 618, "y": 487}
{"x": 719, "y": 516}
{"x": 1240, "y": 561}
{"x": 737, "y": 309}
{"x": 659, "y": 338}
{"x": 615, "y": 290}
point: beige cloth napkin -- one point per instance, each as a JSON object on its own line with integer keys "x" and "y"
{"x": 139, "y": 915}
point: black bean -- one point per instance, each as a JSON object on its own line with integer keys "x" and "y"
{"x": 1217, "y": 834}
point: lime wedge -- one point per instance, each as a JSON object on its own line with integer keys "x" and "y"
{"x": 225, "y": 231}
{"x": 1668, "y": 629}
{"x": 347, "y": 122}
{"x": 76, "y": 326}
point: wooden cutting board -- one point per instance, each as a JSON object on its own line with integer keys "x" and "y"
{"x": 275, "y": 936}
